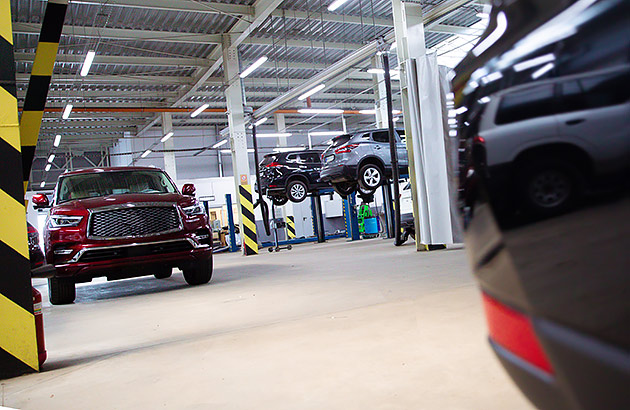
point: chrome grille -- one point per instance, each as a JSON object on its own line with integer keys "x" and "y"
{"x": 137, "y": 221}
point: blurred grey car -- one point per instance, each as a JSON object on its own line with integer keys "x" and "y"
{"x": 361, "y": 160}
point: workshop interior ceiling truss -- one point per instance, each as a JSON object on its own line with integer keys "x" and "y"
{"x": 162, "y": 54}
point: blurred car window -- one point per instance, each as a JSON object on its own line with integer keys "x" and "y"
{"x": 521, "y": 105}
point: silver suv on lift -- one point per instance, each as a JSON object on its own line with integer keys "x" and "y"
{"x": 362, "y": 160}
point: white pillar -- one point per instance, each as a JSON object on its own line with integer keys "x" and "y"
{"x": 236, "y": 121}
{"x": 380, "y": 104}
{"x": 422, "y": 109}
{"x": 169, "y": 157}
{"x": 287, "y": 209}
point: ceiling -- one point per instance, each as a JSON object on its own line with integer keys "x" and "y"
{"x": 161, "y": 55}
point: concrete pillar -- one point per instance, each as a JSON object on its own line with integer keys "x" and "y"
{"x": 169, "y": 157}
{"x": 236, "y": 121}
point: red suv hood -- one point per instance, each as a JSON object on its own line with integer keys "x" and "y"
{"x": 91, "y": 203}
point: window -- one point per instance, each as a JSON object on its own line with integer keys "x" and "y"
{"x": 595, "y": 92}
{"x": 292, "y": 157}
{"x": 525, "y": 104}
{"x": 113, "y": 183}
{"x": 312, "y": 158}
{"x": 380, "y": 136}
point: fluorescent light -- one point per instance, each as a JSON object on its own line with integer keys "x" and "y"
{"x": 396, "y": 119}
{"x": 288, "y": 149}
{"x": 48, "y": 166}
{"x": 367, "y": 112}
{"x": 167, "y": 136}
{"x": 254, "y": 66}
{"x": 43, "y": 184}
{"x": 524, "y": 65}
{"x": 220, "y": 143}
{"x": 311, "y": 91}
{"x": 381, "y": 71}
{"x": 461, "y": 110}
{"x": 57, "y": 140}
{"x": 145, "y": 153}
{"x": 274, "y": 134}
{"x": 199, "y": 110}
{"x": 396, "y": 112}
{"x": 452, "y": 121}
{"x": 325, "y": 133}
{"x": 89, "y": 58}
{"x": 450, "y": 96}
{"x": 227, "y": 151}
{"x": 492, "y": 38}
{"x": 320, "y": 111}
{"x": 452, "y": 133}
{"x": 261, "y": 121}
{"x": 66, "y": 111}
{"x": 492, "y": 77}
{"x": 484, "y": 100}
{"x": 336, "y": 4}
{"x": 542, "y": 70}
{"x": 51, "y": 158}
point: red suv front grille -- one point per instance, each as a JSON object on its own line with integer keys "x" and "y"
{"x": 132, "y": 222}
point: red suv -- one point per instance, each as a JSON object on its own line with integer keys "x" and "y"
{"x": 121, "y": 223}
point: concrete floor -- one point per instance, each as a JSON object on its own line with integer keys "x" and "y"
{"x": 361, "y": 325}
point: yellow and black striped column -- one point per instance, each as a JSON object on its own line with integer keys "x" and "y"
{"x": 18, "y": 341}
{"x": 248, "y": 220}
{"x": 290, "y": 227}
{"x": 39, "y": 83}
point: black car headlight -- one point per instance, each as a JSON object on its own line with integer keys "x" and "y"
{"x": 63, "y": 221}
{"x": 195, "y": 209}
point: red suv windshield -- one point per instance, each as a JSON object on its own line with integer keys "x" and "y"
{"x": 97, "y": 184}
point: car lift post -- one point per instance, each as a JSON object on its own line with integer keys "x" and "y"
{"x": 318, "y": 218}
{"x": 228, "y": 203}
{"x": 352, "y": 222}
{"x": 388, "y": 210}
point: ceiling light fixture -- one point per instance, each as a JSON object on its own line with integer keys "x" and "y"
{"x": 199, "y": 110}
{"x": 274, "y": 134}
{"x": 167, "y": 136}
{"x": 145, "y": 153}
{"x": 325, "y": 133}
{"x": 57, "y": 140}
{"x": 66, "y": 111}
{"x": 542, "y": 70}
{"x": 43, "y": 184}
{"x": 48, "y": 166}
{"x": 367, "y": 112}
{"x": 336, "y": 4}
{"x": 254, "y": 66}
{"x": 320, "y": 111}
{"x": 311, "y": 92}
{"x": 220, "y": 143}
{"x": 288, "y": 149}
{"x": 51, "y": 158}
{"x": 533, "y": 62}
{"x": 89, "y": 59}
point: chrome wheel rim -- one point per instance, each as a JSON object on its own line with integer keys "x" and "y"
{"x": 372, "y": 177}
{"x": 298, "y": 191}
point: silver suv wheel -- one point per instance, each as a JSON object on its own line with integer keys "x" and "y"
{"x": 371, "y": 177}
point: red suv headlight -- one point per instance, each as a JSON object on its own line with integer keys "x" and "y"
{"x": 64, "y": 221}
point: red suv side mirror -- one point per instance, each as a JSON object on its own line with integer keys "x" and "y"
{"x": 189, "y": 189}
{"x": 40, "y": 201}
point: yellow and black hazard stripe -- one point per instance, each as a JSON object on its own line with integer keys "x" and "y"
{"x": 248, "y": 220}
{"x": 18, "y": 342}
{"x": 290, "y": 227}
{"x": 39, "y": 83}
